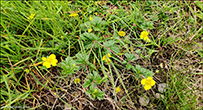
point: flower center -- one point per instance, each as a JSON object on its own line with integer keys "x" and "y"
{"x": 49, "y": 60}
{"x": 148, "y": 82}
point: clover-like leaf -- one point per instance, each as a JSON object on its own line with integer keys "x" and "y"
{"x": 81, "y": 58}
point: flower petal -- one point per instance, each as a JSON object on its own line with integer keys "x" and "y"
{"x": 109, "y": 55}
{"x": 149, "y": 78}
{"x": 152, "y": 83}
{"x": 147, "y": 87}
{"x": 143, "y": 82}
{"x": 44, "y": 58}
{"x": 52, "y": 56}
{"x": 104, "y": 57}
{"x": 48, "y": 65}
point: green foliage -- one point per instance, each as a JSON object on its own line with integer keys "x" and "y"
{"x": 81, "y": 58}
{"x": 69, "y": 66}
{"x": 111, "y": 44}
{"x": 25, "y": 40}
{"x": 140, "y": 70}
{"x": 92, "y": 81}
{"x": 95, "y": 93}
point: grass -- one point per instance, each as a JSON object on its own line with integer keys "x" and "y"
{"x": 173, "y": 54}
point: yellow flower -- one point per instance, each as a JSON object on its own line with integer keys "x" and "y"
{"x": 89, "y": 30}
{"x": 121, "y": 33}
{"x": 164, "y": 5}
{"x": 144, "y": 36}
{"x": 73, "y": 14}
{"x": 148, "y": 83}
{"x": 107, "y": 59}
{"x": 96, "y": 13}
{"x": 118, "y": 89}
{"x": 31, "y": 16}
{"x": 90, "y": 18}
{"x": 77, "y": 80}
{"x": 27, "y": 71}
{"x": 51, "y": 60}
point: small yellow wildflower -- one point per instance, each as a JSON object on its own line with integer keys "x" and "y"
{"x": 170, "y": 10}
{"x": 118, "y": 89}
{"x": 96, "y": 13}
{"x": 6, "y": 45}
{"x": 144, "y": 36}
{"x": 27, "y": 71}
{"x": 73, "y": 14}
{"x": 164, "y": 5}
{"x": 51, "y": 60}
{"x": 89, "y": 30}
{"x": 107, "y": 59}
{"x": 77, "y": 80}
{"x": 31, "y": 16}
{"x": 148, "y": 83}
{"x": 90, "y": 18}
{"x": 121, "y": 33}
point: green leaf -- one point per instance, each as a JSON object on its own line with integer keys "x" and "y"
{"x": 81, "y": 58}
{"x": 130, "y": 57}
{"x": 87, "y": 83}
{"x": 91, "y": 88}
{"x": 85, "y": 26}
{"x": 115, "y": 48}
{"x": 100, "y": 94}
{"x": 109, "y": 43}
{"x": 96, "y": 20}
{"x": 100, "y": 98}
{"x": 68, "y": 65}
{"x": 128, "y": 66}
{"x": 88, "y": 92}
{"x": 90, "y": 75}
{"x": 90, "y": 36}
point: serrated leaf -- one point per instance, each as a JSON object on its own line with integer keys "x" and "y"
{"x": 150, "y": 73}
{"x": 115, "y": 48}
{"x": 100, "y": 98}
{"x": 128, "y": 66}
{"x": 82, "y": 37}
{"x": 91, "y": 88}
{"x": 90, "y": 75}
{"x": 96, "y": 20}
{"x": 130, "y": 57}
{"x": 81, "y": 58}
{"x": 109, "y": 43}
{"x": 87, "y": 83}
{"x": 85, "y": 26}
{"x": 88, "y": 92}
{"x": 90, "y": 36}
{"x": 100, "y": 94}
